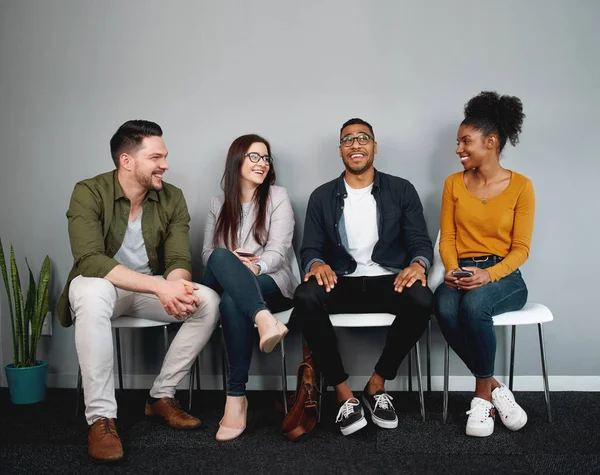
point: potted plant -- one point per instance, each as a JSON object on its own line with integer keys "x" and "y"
{"x": 26, "y": 375}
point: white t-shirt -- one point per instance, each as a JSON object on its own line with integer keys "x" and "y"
{"x": 360, "y": 217}
{"x": 132, "y": 253}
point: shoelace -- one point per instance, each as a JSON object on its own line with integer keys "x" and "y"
{"x": 346, "y": 410}
{"x": 107, "y": 427}
{"x": 480, "y": 412}
{"x": 174, "y": 403}
{"x": 504, "y": 398}
{"x": 383, "y": 401}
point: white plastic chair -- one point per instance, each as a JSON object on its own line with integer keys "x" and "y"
{"x": 132, "y": 322}
{"x": 283, "y": 317}
{"x": 531, "y": 313}
{"x": 365, "y": 320}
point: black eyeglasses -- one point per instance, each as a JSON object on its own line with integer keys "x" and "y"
{"x": 348, "y": 140}
{"x": 255, "y": 158}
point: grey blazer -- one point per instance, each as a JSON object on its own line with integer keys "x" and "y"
{"x": 280, "y": 230}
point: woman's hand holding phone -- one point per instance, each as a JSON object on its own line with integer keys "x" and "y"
{"x": 248, "y": 259}
{"x": 467, "y": 278}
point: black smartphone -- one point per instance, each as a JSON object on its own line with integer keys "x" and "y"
{"x": 462, "y": 273}
{"x": 245, "y": 254}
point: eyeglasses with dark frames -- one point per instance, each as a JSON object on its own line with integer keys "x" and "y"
{"x": 255, "y": 158}
{"x": 348, "y": 140}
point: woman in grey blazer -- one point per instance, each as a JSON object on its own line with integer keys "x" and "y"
{"x": 247, "y": 238}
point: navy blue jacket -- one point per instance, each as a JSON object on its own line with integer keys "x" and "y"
{"x": 403, "y": 235}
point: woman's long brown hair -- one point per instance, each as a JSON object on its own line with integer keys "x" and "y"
{"x": 229, "y": 218}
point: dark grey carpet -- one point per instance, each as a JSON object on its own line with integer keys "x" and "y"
{"x": 46, "y": 438}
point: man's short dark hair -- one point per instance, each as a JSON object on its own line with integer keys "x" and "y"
{"x": 357, "y": 121}
{"x": 130, "y": 135}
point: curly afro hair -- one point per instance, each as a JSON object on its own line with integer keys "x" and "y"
{"x": 491, "y": 113}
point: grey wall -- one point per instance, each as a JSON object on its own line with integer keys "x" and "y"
{"x": 72, "y": 72}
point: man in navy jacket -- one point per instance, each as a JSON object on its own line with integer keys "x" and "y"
{"x": 365, "y": 249}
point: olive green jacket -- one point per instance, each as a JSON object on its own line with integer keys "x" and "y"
{"x": 98, "y": 216}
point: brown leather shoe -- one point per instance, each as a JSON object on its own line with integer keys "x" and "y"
{"x": 104, "y": 444}
{"x": 171, "y": 413}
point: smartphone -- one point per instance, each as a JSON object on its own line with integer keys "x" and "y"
{"x": 245, "y": 254}
{"x": 462, "y": 273}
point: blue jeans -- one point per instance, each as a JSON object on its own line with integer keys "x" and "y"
{"x": 465, "y": 316}
{"x": 243, "y": 295}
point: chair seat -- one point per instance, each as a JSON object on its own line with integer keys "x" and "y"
{"x": 530, "y": 313}
{"x": 133, "y": 322}
{"x": 284, "y": 317}
{"x": 350, "y": 320}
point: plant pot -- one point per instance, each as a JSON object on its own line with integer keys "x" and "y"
{"x": 27, "y": 385}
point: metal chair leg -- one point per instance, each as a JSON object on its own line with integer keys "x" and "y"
{"x": 166, "y": 338}
{"x": 120, "y": 368}
{"x": 283, "y": 377}
{"x": 512, "y": 357}
{"x": 198, "y": 372}
{"x": 190, "y": 396}
{"x": 78, "y": 391}
{"x": 419, "y": 382}
{"x": 446, "y": 381}
{"x": 544, "y": 371}
{"x": 429, "y": 358}
{"x": 410, "y": 372}
{"x": 224, "y": 363}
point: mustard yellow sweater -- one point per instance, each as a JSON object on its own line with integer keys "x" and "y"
{"x": 501, "y": 226}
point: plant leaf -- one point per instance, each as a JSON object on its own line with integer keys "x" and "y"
{"x": 18, "y": 296}
{"x": 10, "y": 305}
{"x": 30, "y": 316}
{"x": 41, "y": 307}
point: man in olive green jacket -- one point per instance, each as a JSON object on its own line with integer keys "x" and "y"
{"x": 129, "y": 234}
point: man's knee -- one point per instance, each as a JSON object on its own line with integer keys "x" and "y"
{"x": 91, "y": 293}
{"x": 309, "y": 295}
{"x": 421, "y": 297}
{"x": 209, "y": 303}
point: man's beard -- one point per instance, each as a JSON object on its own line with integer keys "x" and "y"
{"x": 358, "y": 171}
{"x": 146, "y": 181}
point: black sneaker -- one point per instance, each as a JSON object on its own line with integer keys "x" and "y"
{"x": 351, "y": 416}
{"x": 381, "y": 408}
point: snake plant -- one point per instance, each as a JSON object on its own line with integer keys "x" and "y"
{"x": 26, "y": 317}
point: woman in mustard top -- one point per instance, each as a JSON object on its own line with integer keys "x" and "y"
{"x": 486, "y": 225}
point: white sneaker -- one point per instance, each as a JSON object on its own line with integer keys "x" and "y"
{"x": 481, "y": 418}
{"x": 511, "y": 414}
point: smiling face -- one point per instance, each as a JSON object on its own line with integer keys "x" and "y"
{"x": 254, "y": 174}
{"x": 473, "y": 148}
{"x": 358, "y": 158}
{"x": 150, "y": 163}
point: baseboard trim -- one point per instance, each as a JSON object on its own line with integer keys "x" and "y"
{"x": 357, "y": 383}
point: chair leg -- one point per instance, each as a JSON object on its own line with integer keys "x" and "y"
{"x": 119, "y": 366}
{"x": 322, "y": 388}
{"x": 429, "y": 358}
{"x": 419, "y": 382}
{"x": 198, "y": 372}
{"x": 224, "y": 363}
{"x": 410, "y": 371}
{"x": 446, "y": 381}
{"x": 190, "y": 397}
{"x": 166, "y": 338}
{"x": 512, "y": 357}
{"x": 284, "y": 388}
{"x": 544, "y": 371}
{"x": 78, "y": 391}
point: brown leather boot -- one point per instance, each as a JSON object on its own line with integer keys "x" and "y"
{"x": 104, "y": 444}
{"x": 171, "y": 413}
